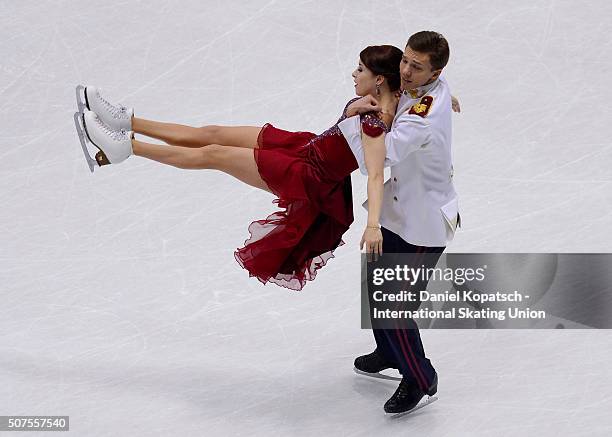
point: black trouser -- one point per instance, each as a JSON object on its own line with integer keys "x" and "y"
{"x": 403, "y": 347}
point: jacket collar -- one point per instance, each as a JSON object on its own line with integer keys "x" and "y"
{"x": 419, "y": 92}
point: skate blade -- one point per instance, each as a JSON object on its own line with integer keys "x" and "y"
{"x": 80, "y": 98}
{"x": 81, "y": 133}
{"x": 422, "y": 404}
{"x": 377, "y": 375}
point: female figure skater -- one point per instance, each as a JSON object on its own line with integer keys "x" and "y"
{"x": 308, "y": 173}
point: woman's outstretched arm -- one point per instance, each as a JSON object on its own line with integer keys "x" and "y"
{"x": 374, "y": 149}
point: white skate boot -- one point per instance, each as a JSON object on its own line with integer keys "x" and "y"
{"x": 114, "y": 146}
{"x": 116, "y": 117}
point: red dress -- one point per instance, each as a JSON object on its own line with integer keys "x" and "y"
{"x": 310, "y": 175}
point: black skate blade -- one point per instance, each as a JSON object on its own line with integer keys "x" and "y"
{"x": 422, "y": 404}
{"x": 91, "y": 163}
{"x": 377, "y": 375}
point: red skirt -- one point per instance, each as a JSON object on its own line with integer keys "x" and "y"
{"x": 290, "y": 245}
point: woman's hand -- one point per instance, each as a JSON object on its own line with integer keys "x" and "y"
{"x": 455, "y": 104}
{"x": 372, "y": 240}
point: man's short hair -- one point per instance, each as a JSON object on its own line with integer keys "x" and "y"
{"x": 432, "y": 43}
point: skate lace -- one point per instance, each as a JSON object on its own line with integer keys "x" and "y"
{"x": 116, "y": 111}
{"x": 117, "y": 135}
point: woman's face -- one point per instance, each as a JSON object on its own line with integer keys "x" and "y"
{"x": 365, "y": 80}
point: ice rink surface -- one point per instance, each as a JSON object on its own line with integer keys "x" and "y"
{"x": 122, "y": 305}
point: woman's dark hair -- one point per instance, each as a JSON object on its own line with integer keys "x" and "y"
{"x": 384, "y": 60}
{"x": 433, "y": 44}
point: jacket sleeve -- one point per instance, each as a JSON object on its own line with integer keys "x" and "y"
{"x": 410, "y": 133}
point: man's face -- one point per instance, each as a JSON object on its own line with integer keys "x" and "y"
{"x": 415, "y": 69}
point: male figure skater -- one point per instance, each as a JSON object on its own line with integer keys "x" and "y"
{"x": 420, "y": 211}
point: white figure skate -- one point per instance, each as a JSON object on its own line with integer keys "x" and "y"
{"x": 114, "y": 146}
{"x": 116, "y": 117}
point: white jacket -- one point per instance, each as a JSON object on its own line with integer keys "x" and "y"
{"x": 420, "y": 203}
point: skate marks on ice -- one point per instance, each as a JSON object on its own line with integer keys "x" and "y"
{"x": 377, "y": 375}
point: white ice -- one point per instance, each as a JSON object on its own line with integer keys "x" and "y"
{"x": 122, "y": 305}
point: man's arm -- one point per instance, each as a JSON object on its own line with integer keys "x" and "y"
{"x": 363, "y": 105}
{"x": 410, "y": 133}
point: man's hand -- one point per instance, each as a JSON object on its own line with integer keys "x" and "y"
{"x": 372, "y": 240}
{"x": 363, "y": 105}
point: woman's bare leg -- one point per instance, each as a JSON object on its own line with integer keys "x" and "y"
{"x": 188, "y": 136}
{"x": 235, "y": 161}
